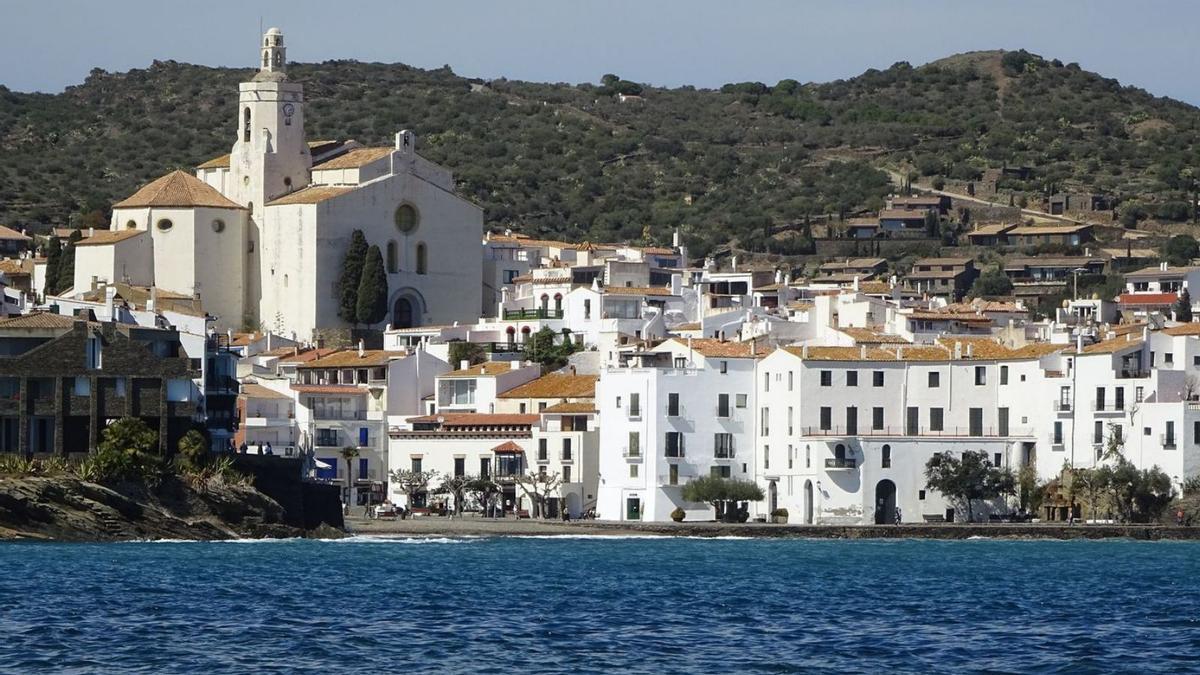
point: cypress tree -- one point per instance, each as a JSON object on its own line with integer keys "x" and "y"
{"x": 1183, "y": 307}
{"x": 53, "y": 256}
{"x": 66, "y": 263}
{"x": 372, "y": 289}
{"x": 348, "y": 281}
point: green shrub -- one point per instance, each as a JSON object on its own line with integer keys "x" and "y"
{"x": 678, "y": 514}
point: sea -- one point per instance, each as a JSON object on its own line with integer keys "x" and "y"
{"x": 595, "y": 604}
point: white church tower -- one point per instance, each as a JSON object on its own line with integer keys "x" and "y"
{"x": 270, "y": 157}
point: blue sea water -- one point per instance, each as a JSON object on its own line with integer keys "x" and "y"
{"x": 635, "y": 605}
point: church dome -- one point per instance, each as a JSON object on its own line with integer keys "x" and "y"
{"x": 274, "y": 31}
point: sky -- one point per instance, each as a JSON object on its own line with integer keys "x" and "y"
{"x": 46, "y": 45}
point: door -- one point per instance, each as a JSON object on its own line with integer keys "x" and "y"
{"x": 976, "y": 421}
{"x": 913, "y": 422}
{"x": 772, "y": 496}
{"x": 1002, "y": 421}
{"x": 808, "y": 502}
{"x": 402, "y": 313}
{"x": 885, "y": 502}
{"x": 633, "y": 509}
{"x": 852, "y": 421}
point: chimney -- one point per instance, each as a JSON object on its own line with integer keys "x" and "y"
{"x": 804, "y": 352}
{"x": 778, "y": 276}
{"x": 957, "y": 351}
{"x": 970, "y": 351}
{"x": 733, "y": 263}
{"x": 862, "y": 352}
{"x": 269, "y": 334}
{"x": 361, "y": 351}
{"x": 464, "y": 364}
{"x": 855, "y": 286}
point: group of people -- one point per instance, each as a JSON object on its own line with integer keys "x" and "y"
{"x": 261, "y": 449}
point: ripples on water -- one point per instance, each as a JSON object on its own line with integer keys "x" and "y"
{"x": 497, "y": 605}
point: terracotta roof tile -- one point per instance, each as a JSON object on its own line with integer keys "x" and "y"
{"x": 7, "y": 233}
{"x": 177, "y": 189}
{"x": 866, "y": 336}
{"x": 314, "y": 194}
{"x": 478, "y": 420}
{"x": 636, "y": 290}
{"x": 1111, "y": 345}
{"x": 104, "y": 237}
{"x": 255, "y": 390}
{"x": 572, "y": 407}
{"x": 485, "y": 369}
{"x": 221, "y": 162}
{"x": 713, "y": 348}
{"x": 555, "y": 385}
{"x": 1183, "y": 329}
{"x": 349, "y": 358}
{"x": 37, "y": 320}
{"x": 344, "y": 389}
{"x": 354, "y": 159}
{"x": 508, "y": 448}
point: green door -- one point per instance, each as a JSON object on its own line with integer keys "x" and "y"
{"x": 633, "y": 509}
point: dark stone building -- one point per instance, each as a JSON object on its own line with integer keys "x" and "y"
{"x": 63, "y": 379}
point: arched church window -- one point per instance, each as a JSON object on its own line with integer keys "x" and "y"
{"x": 393, "y": 264}
{"x": 421, "y": 262}
{"x": 278, "y": 58}
{"x": 165, "y": 224}
{"x": 406, "y": 218}
{"x": 218, "y": 225}
{"x": 285, "y": 281}
{"x": 130, "y": 225}
{"x": 246, "y": 126}
{"x": 266, "y": 58}
{"x": 558, "y": 302}
{"x": 544, "y": 302}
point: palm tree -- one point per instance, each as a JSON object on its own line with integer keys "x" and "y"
{"x": 349, "y": 453}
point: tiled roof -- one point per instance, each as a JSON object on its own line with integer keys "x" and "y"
{"x": 310, "y": 195}
{"x": 221, "y": 162}
{"x": 929, "y": 315}
{"x": 572, "y": 407}
{"x": 1155, "y": 272}
{"x": 636, "y": 290}
{"x": 7, "y": 233}
{"x": 942, "y": 261}
{"x": 349, "y": 358}
{"x": 691, "y": 325}
{"x": 1183, "y": 329}
{"x": 1147, "y": 298}
{"x": 866, "y": 336}
{"x": 901, "y": 214}
{"x": 981, "y": 349}
{"x": 1026, "y": 230}
{"x": 1112, "y": 345}
{"x": 508, "y": 448}
{"x": 255, "y": 390}
{"x": 713, "y": 348}
{"x": 981, "y": 305}
{"x": 177, "y": 189}
{"x": 555, "y": 385}
{"x": 478, "y": 420}
{"x": 522, "y": 240}
{"x": 990, "y": 230}
{"x": 485, "y": 369}
{"x": 103, "y": 237}
{"x": 37, "y": 320}
{"x": 16, "y": 267}
{"x": 306, "y": 355}
{"x": 355, "y": 158}
{"x": 344, "y": 389}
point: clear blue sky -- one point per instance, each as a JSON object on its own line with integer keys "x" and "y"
{"x": 46, "y": 45}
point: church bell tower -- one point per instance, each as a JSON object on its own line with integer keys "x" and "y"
{"x": 270, "y": 157}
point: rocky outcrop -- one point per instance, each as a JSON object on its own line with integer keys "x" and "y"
{"x": 68, "y": 509}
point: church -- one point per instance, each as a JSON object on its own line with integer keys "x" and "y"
{"x": 259, "y": 235}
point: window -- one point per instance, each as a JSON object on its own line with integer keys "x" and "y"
{"x": 826, "y": 378}
{"x": 416, "y": 465}
{"x": 885, "y": 457}
{"x": 851, "y": 420}
{"x": 852, "y": 378}
{"x": 766, "y": 422}
{"x": 131, "y": 225}
{"x": 246, "y": 125}
{"x": 1119, "y": 403}
{"x": 807, "y": 457}
{"x": 791, "y": 379}
{"x": 921, "y": 495}
{"x": 766, "y": 382}
{"x": 674, "y": 444}
{"x": 218, "y": 225}
{"x": 1138, "y": 394}
{"x": 740, "y": 401}
{"x": 406, "y": 218}
{"x": 95, "y": 353}
{"x": 724, "y": 367}
{"x": 1168, "y": 358}
{"x": 165, "y": 224}
{"x": 723, "y": 406}
{"x": 542, "y": 453}
{"x": 485, "y": 467}
{"x": 1196, "y": 432}
{"x": 566, "y": 451}
{"x": 722, "y": 471}
{"x": 566, "y": 474}
{"x": 877, "y": 418}
{"x": 633, "y": 470}
{"x": 1146, "y": 431}
{"x": 766, "y": 456}
{"x": 1169, "y": 436}
{"x": 936, "y": 419}
{"x": 723, "y": 445}
{"x": 1058, "y": 433}
{"x": 789, "y": 420}
{"x": 680, "y": 362}
{"x": 935, "y": 379}
{"x": 393, "y": 263}
{"x": 83, "y": 386}
{"x": 877, "y": 378}
{"x": 997, "y": 459}
{"x": 826, "y": 418}
{"x": 791, "y": 454}
{"x": 421, "y": 258}
{"x": 460, "y": 466}
{"x": 980, "y": 375}
{"x": 635, "y": 444}
{"x": 635, "y": 404}
{"x": 587, "y": 308}
{"x": 1003, "y": 374}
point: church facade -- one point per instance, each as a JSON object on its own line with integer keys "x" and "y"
{"x": 260, "y": 234}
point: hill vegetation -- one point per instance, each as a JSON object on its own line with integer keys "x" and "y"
{"x": 573, "y": 161}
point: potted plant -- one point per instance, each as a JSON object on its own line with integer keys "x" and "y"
{"x": 678, "y": 514}
{"x": 779, "y": 516}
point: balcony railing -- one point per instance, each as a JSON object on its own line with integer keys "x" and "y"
{"x": 567, "y": 457}
{"x": 841, "y": 463}
{"x": 503, "y": 347}
{"x": 674, "y": 452}
{"x": 631, "y": 453}
{"x": 336, "y": 416}
{"x": 522, "y": 314}
{"x": 1108, "y": 406}
{"x": 1167, "y": 441}
{"x": 635, "y": 413}
{"x": 675, "y": 410}
{"x": 723, "y": 453}
{"x": 220, "y": 383}
{"x": 1130, "y": 373}
{"x": 964, "y": 431}
{"x": 1062, "y": 406}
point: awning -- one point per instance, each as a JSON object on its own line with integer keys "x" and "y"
{"x": 321, "y": 465}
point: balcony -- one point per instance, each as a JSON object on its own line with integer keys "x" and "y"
{"x": 1131, "y": 373}
{"x": 841, "y": 463}
{"x": 1062, "y": 406}
{"x": 530, "y": 314}
{"x": 635, "y": 413}
{"x": 344, "y": 416}
{"x": 221, "y": 383}
{"x": 1108, "y": 407}
{"x": 1167, "y": 441}
{"x": 919, "y": 432}
{"x": 632, "y": 454}
{"x": 567, "y": 458}
{"x": 675, "y": 411}
{"x": 673, "y": 453}
{"x": 724, "y": 453}
{"x": 503, "y": 347}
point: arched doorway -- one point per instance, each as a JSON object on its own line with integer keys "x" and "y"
{"x": 808, "y": 502}
{"x": 772, "y": 497}
{"x": 402, "y": 313}
{"x": 885, "y": 502}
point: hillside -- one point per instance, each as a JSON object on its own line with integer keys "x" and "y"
{"x": 575, "y": 162}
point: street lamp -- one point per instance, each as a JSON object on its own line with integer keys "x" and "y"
{"x": 1076, "y": 272}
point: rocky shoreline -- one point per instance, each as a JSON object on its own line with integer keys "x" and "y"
{"x": 474, "y": 526}
{"x": 62, "y": 508}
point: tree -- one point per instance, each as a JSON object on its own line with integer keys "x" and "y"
{"x": 66, "y": 264}
{"x": 372, "y": 289}
{"x": 1183, "y": 307}
{"x": 193, "y": 451}
{"x": 721, "y": 493}
{"x": 351, "y": 275}
{"x": 1181, "y": 249}
{"x": 991, "y": 283}
{"x": 541, "y": 348}
{"x": 484, "y": 490}
{"x": 1139, "y": 496}
{"x": 471, "y": 352}
{"x": 128, "y": 450}
{"x": 412, "y": 483}
{"x": 967, "y": 479}
{"x": 456, "y": 486}
{"x": 349, "y": 453}
{"x": 53, "y": 258}
{"x": 129, "y": 434}
{"x": 1091, "y": 484}
{"x": 538, "y": 486}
